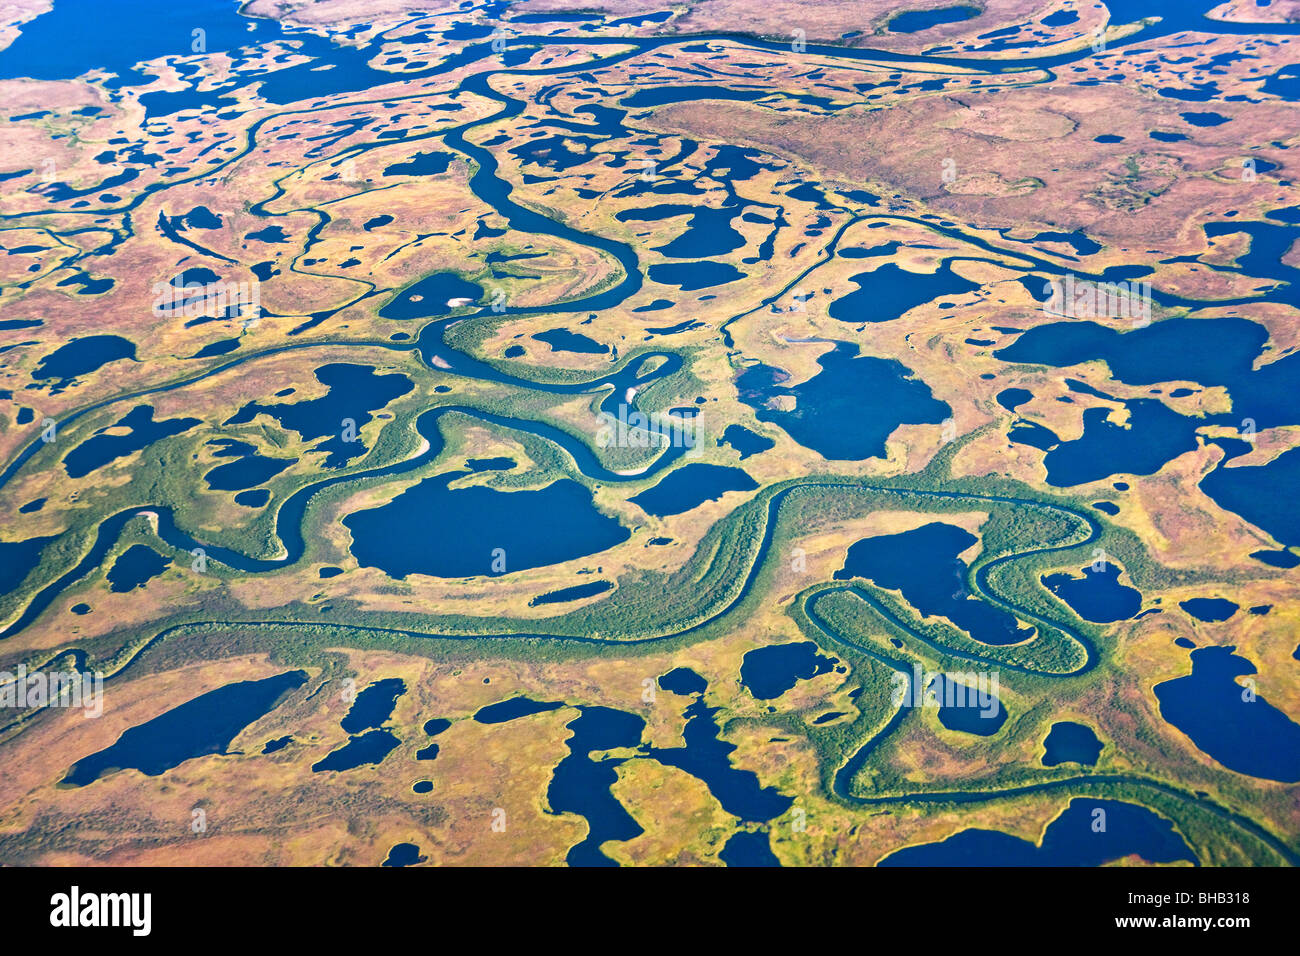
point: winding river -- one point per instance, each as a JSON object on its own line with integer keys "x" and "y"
{"x": 495, "y": 191}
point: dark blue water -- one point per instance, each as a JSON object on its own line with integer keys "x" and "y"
{"x": 889, "y": 292}
{"x": 1210, "y": 610}
{"x": 1068, "y": 742}
{"x": 745, "y": 848}
{"x": 371, "y": 747}
{"x": 1262, "y": 494}
{"x": 433, "y": 728}
{"x": 513, "y": 709}
{"x": 708, "y": 758}
{"x": 253, "y": 499}
{"x": 82, "y": 356}
{"x": 1013, "y": 398}
{"x": 871, "y": 252}
{"x": 768, "y": 672}
{"x": 101, "y": 449}
{"x": 914, "y": 21}
{"x": 278, "y": 744}
{"x": 404, "y": 854}
{"x": 369, "y": 711}
{"x": 574, "y": 593}
{"x": 421, "y": 164}
{"x": 1152, "y": 436}
{"x": 19, "y": 559}
{"x": 1060, "y": 18}
{"x": 745, "y": 441}
{"x": 430, "y": 529}
{"x": 80, "y": 35}
{"x": 689, "y": 486}
{"x": 562, "y": 340}
{"x": 205, "y": 725}
{"x": 247, "y": 471}
{"x": 1277, "y": 559}
{"x": 373, "y": 705}
{"x": 1069, "y": 840}
{"x": 708, "y": 232}
{"x": 135, "y": 567}
{"x": 1248, "y": 736}
{"x": 692, "y": 276}
{"x": 848, "y": 410}
{"x": 1097, "y": 596}
{"x": 663, "y": 95}
{"x": 1220, "y": 351}
{"x": 1205, "y": 119}
{"x": 963, "y": 708}
{"x": 923, "y": 565}
{"x": 554, "y": 17}
{"x": 354, "y": 392}
{"x": 683, "y": 681}
{"x": 581, "y": 785}
{"x": 429, "y": 297}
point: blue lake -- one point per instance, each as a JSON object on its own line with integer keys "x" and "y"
{"x": 562, "y": 340}
{"x": 1097, "y": 596}
{"x": 963, "y": 708}
{"x": 1152, "y": 436}
{"x": 689, "y": 486}
{"x": 577, "y": 592}
{"x": 83, "y": 356}
{"x": 1210, "y": 610}
{"x": 1262, "y": 494}
{"x": 915, "y": 21}
{"x": 513, "y": 709}
{"x": 1069, "y": 742}
{"x": 421, "y": 164}
{"x": 768, "y": 672}
{"x": 745, "y": 848}
{"x": 889, "y": 292}
{"x": 708, "y": 758}
{"x": 373, "y": 705}
{"x": 19, "y": 559}
{"x": 1069, "y": 840}
{"x": 404, "y": 854}
{"x": 745, "y": 441}
{"x": 205, "y": 725}
{"x": 429, "y": 297}
{"x": 134, "y": 567}
{"x": 848, "y": 410}
{"x": 430, "y": 529}
{"x": 248, "y": 470}
{"x": 708, "y": 233}
{"x": 1248, "y": 736}
{"x": 683, "y": 681}
{"x": 923, "y": 565}
{"x": 692, "y": 276}
{"x": 354, "y": 391}
{"x": 101, "y": 449}
{"x": 368, "y": 748}
{"x": 581, "y": 785}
